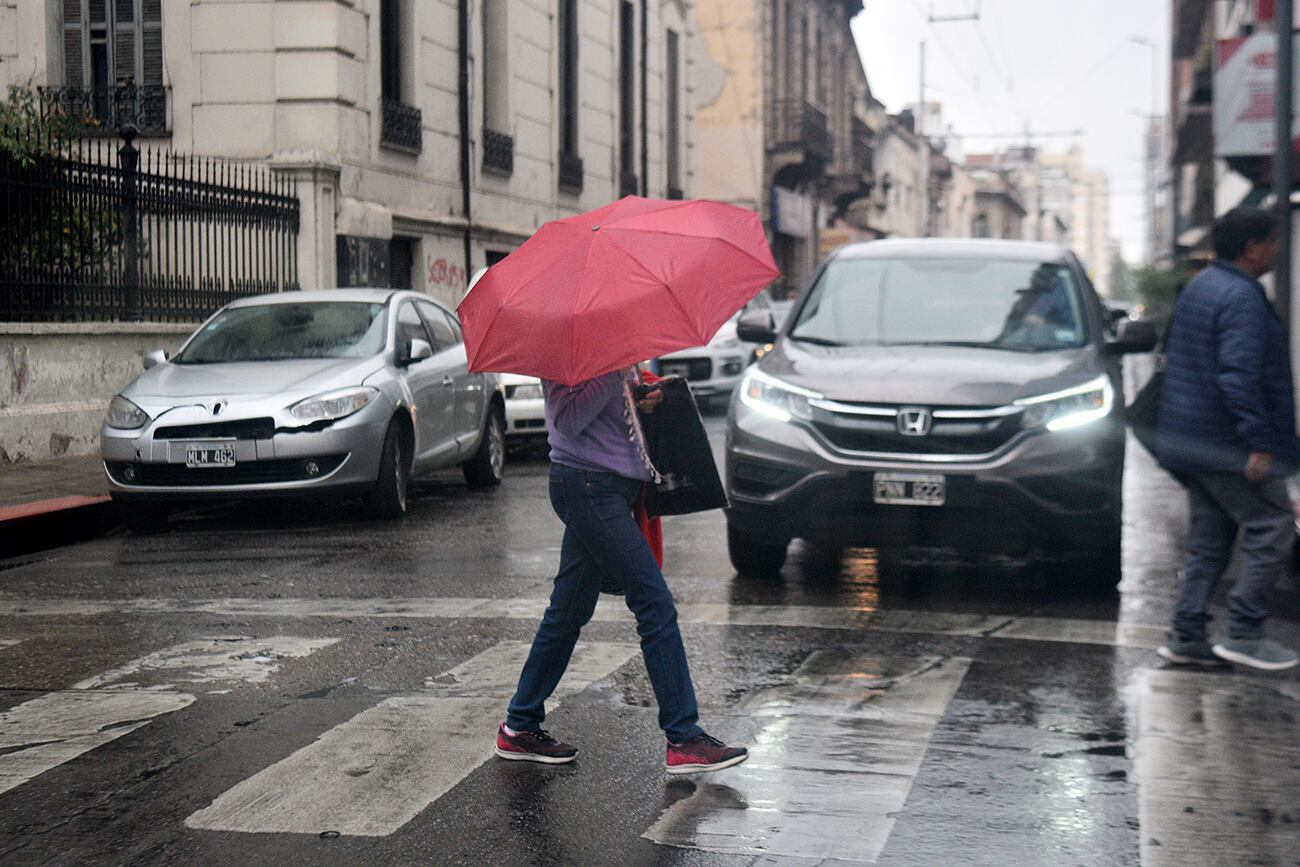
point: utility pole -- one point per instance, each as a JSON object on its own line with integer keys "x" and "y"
{"x": 923, "y": 146}
{"x": 1282, "y": 159}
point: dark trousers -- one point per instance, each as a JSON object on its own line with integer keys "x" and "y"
{"x": 601, "y": 538}
{"x": 1223, "y": 504}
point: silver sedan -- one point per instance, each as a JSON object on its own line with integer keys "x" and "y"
{"x": 345, "y": 392}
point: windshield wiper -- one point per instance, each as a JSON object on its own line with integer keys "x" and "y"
{"x": 976, "y": 344}
{"x": 819, "y": 341}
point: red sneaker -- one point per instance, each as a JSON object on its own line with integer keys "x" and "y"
{"x": 535, "y": 746}
{"x": 702, "y": 754}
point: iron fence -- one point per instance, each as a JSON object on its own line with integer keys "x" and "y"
{"x": 92, "y": 230}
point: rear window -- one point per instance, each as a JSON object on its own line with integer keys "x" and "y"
{"x": 279, "y": 332}
{"x": 993, "y": 303}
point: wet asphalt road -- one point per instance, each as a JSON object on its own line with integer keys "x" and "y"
{"x": 293, "y": 685}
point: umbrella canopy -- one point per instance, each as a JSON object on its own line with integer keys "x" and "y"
{"x": 633, "y": 280}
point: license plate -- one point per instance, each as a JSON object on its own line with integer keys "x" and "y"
{"x": 910, "y": 489}
{"x": 197, "y": 457}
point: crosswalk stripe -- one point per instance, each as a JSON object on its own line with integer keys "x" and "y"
{"x": 1054, "y": 629}
{"x": 208, "y": 660}
{"x": 1216, "y": 769}
{"x": 832, "y": 766}
{"x": 9, "y": 642}
{"x": 371, "y": 775}
{"x": 45, "y": 732}
{"x": 57, "y": 727}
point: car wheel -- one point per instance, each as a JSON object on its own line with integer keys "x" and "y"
{"x": 143, "y": 517}
{"x": 754, "y": 556}
{"x": 488, "y": 466}
{"x": 387, "y": 499}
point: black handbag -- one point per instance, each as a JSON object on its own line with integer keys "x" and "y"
{"x": 679, "y": 448}
{"x": 1143, "y": 414}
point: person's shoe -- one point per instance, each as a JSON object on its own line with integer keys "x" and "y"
{"x": 702, "y": 754}
{"x": 1187, "y": 651}
{"x": 1264, "y": 653}
{"x": 535, "y": 746}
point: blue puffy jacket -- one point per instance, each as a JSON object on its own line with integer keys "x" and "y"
{"x": 1228, "y": 387}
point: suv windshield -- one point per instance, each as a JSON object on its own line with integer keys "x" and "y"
{"x": 279, "y": 332}
{"x": 994, "y": 303}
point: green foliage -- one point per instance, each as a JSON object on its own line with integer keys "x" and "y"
{"x": 24, "y": 134}
{"x": 1158, "y": 289}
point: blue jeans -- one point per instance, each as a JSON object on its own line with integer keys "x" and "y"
{"x": 601, "y": 537}
{"x": 1221, "y": 505}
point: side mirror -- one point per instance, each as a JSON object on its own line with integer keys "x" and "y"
{"x": 418, "y": 350}
{"x": 155, "y": 358}
{"x": 1133, "y": 336}
{"x": 1117, "y": 314}
{"x": 756, "y": 326}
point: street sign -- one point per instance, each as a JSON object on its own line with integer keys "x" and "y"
{"x": 1244, "y": 85}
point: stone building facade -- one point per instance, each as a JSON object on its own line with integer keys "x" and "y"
{"x": 777, "y": 122}
{"x": 429, "y": 137}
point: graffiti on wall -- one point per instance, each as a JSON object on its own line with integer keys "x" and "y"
{"x": 446, "y": 274}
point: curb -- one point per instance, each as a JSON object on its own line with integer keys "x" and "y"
{"x": 43, "y": 524}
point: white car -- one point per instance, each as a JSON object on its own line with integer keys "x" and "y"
{"x": 714, "y": 370}
{"x": 525, "y": 410}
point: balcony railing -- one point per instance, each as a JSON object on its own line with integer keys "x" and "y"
{"x": 401, "y": 126}
{"x": 797, "y": 123}
{"x": 570, "y": 172}
{"x": 498, "y": 153}
{"x": 105, "y": 111}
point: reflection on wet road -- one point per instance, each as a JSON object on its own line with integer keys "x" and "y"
{"x": 264, "y": 685}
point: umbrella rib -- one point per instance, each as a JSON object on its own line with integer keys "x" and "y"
{"x": 678, "y": 234}
{"x": 676, "y": 301}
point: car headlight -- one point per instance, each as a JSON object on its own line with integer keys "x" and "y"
{"x": 1070, "y": 408}
{"x": 524, "y": 392}
{"x": 124, "y": 415}
{"x": 776, "y": 399}
{"x": 333, "y": 405}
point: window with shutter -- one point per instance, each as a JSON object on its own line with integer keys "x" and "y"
{"x": 113, "y": 63}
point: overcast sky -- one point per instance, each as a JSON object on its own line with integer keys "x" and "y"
{"x": 1057, "y": 64}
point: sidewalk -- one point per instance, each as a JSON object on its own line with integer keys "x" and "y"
{"x": 50, "y": 503}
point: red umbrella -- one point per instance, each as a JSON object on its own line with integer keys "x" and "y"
{"x": 630, "y": 281}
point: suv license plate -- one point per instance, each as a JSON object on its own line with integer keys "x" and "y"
{"x": 909, "y": 489}
{"x": 197, "y": 457}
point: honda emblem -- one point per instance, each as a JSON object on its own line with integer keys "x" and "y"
{"x": 914, "y": 421}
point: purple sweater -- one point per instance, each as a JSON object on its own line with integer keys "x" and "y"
{"x": 587, "y": 427}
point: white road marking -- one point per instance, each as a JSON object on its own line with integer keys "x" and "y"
{"x": 832, "y": 766}
{"x": 1216, "y": 769}
{"x": 1066, "y": 630}
{"x": 9, "y": 642}
{"x": 371, "y": 775}
{"x": 46, "y": 732}
{"x": 208, "y": 660}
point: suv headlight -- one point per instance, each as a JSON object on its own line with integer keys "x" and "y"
{"x": 124, "y": 415}
{"x": 1070, "y": 408}
{"x": 776, "y": 399}
{"x": 333, "y": 405}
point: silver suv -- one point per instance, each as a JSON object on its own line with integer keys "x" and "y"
{"x": 961, "y": 393}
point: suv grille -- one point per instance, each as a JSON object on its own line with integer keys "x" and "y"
{"x": 693, "y": 369}
{"x": 980, "y": 435}
{"x": 242, "y": 429}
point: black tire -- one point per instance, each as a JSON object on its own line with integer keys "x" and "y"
{"x": 488, "y": 466}
{"x": 387, "y": 499}
{"x": 752, "y": 556}
{"x": 143, "y": 517}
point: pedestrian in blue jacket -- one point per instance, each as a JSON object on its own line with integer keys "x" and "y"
{"x": 1227, "y": 429}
